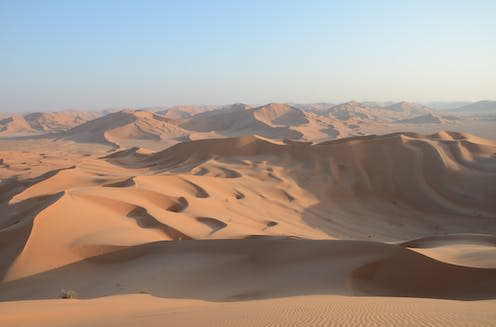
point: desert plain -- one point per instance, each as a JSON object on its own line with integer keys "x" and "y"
{"x": 379, "y": 214}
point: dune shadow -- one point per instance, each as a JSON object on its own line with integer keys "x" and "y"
{"x": 259, "y": 268}
{"x": 16, "y": 219}
{"x": 14, "y": 236}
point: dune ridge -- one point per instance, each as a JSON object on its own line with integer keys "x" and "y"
{"x": 125, "y": 125}
{"x": 44, "y": 122}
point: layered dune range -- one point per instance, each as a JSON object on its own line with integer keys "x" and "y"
{"x": 157, "y": 128}
{"x": 250, "y": 218}
{"x": 130, "y": 128}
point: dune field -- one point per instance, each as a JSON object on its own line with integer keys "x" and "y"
{"x": 273, "y": 215}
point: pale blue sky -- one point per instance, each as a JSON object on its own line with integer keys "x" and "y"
{"x": 102, "y": 53}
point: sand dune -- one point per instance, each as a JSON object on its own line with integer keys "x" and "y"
{"x": 125, "y": 126}
{"x": 354, "y": 111}
{"x": 370, "y": 112}
{"x": 480, "y": 107}
{"x": 248, "y": 222}
{"x": 307, "y": 122}
{"x": 253, "y": 186}
{"x": 182, "y": 112}
{"x": 310, "y": 122}
{"x": 59, "y": 121}
{"x": 362, "y": 162}
{"x": 313, "y": 107}
{"x": 423, "y": 119}
{"x": 274, "y": 120}
{"x": 15, "y": 125}
{"x": 410, "y": 108}
{"x": 472, "y": 250}
{"x": 257, "y": 268}
{"x": 44, "y": 122}
{"x": 242, "y": 120}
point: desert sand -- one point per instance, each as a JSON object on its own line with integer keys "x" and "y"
{"x": 272, "y": 215}
{"x": 317, "y": 310}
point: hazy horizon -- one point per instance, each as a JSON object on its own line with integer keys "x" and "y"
{"x": 438, "y": 105}
{"x": 94, "y": 55}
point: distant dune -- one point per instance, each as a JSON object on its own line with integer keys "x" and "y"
{"x": 122, "y": 125}
{"x": 410, "y": 108}
{"x": 423, "y": 119}
{"x": 372, "y": 112}
{"x": 481, "y": 107}
{"x": 307, "y": 122}
{"x": 44, "y": 122}
{"x": 16, "y": 125}
{"x": 279, "y": 121}
{"x": 181, "y": 112}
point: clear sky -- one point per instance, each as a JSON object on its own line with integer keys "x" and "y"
{"x": 103, "y": 53}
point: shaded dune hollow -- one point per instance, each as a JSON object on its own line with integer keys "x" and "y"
{"x": 214, "y": 224}
{"x": 145, "y": 220}
{"x": 290, "y": 267}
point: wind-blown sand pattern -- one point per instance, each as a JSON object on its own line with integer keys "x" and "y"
{"x": 242, "y": 216}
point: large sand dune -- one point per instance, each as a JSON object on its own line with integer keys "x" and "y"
{"x": 44, "y": 122}
{"x": 125, "y": 126}
{"x": 356, "y": 112}
{"x": 228, "y": 270}
{"x": 422, "y": 119}
{"x": 273, "y": 120}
